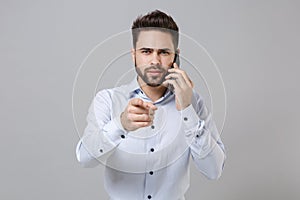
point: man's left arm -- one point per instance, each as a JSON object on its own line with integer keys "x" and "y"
{"x": 200, "y": 131}
{"x": 207, "y": 149}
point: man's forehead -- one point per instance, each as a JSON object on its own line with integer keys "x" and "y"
{"x": 154, "y": 39}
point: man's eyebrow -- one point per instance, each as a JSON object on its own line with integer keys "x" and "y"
{"x": 163, "y": 49}
{"x": 145, "y": 48}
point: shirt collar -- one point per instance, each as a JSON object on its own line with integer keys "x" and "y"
{"x": 134, "y": 87}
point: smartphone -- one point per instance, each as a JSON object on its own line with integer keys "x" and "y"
{"x": 176, "y": 60}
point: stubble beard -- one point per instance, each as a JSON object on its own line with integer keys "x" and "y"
{"x": 152, "y": 81}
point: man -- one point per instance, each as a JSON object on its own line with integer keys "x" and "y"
{"x": 145, "y": 132}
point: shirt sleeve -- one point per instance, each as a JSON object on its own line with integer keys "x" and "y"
{"x": 207, "y": 149}
{"x": 102, "y": 134}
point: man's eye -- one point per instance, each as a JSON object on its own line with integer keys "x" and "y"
{"x": 166, "y": 53}
{"x": 146, "y": 51}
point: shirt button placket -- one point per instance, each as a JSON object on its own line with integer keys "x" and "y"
{"x": 151, "y": 172}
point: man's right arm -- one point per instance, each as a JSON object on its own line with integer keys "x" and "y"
{"x": 102, "y": 134}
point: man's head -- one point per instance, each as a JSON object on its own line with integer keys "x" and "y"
{"x": 155, "y": 20}
{"x": 155, "y": 42}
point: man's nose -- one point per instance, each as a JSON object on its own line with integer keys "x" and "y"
{"x": 155, "y": 59}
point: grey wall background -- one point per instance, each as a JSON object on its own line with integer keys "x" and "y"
{"x": 255, "y": 44}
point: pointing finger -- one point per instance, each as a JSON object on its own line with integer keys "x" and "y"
{"x": 150, "y": 106}
{"x": 136, "y": 102}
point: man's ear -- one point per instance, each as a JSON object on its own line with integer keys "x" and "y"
{"x": 177, "y": 51}
{"x": 133, "y": 55}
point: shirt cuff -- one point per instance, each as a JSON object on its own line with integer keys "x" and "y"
{"x": 114, "y": 130}
{"x": 190, "y": 118}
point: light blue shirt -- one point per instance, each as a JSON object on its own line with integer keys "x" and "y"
{"x": 151, "y": 162}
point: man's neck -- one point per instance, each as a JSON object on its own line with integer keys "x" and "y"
{"x": 154, "y": 93}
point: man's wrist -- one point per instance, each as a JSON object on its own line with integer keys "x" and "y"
{"x": 189, "y": 116}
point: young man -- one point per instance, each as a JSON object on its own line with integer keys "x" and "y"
{"x": 146, "y": 131}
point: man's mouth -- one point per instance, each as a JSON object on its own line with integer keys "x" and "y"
{"x": 154, "y": 72}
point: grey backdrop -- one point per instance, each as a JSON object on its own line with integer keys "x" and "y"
{"x": 255, "y": 44}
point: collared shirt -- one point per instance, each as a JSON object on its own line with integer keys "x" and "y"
{"x": 151, "y": 162}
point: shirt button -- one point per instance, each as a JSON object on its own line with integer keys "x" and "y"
{"x": 122, "y": 136}
{"x": 101, "y": 150}
{"x": 149, "y": 196}
{"x": 152, "y": 126}
{"x": 151, "y": 172}
{"x": 152, "y": 150}
{"x": 197, "y": 135}
{"x": 185, "y": 119}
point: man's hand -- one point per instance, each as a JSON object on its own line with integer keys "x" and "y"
{"x": 183, "y": 86}
{"x": 137, "y": 114}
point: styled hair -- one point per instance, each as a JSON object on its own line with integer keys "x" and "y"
{"x": 155, "y": 20}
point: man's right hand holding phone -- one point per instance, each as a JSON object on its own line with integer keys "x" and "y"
{"x": 183, "y": 86}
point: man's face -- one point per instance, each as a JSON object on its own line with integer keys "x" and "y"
{"x": 153, "y": 56}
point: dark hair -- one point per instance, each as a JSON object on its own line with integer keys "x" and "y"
{"x": 153, "y": 20}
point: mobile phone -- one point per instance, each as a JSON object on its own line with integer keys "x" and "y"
{"x": 176, "y": 60}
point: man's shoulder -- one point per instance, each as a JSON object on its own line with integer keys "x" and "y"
{"x": 109, "y": 92}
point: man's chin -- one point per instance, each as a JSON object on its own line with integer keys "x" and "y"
{"x": 152, "y": 81}
{"x": 155, "y": 81}
{"x": 153, "y": 84}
